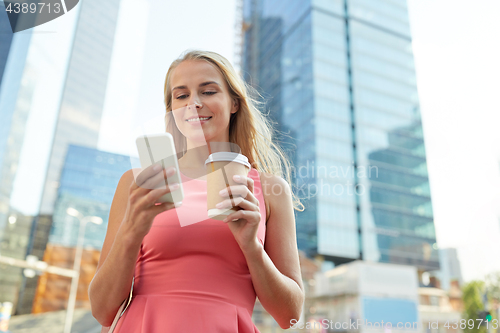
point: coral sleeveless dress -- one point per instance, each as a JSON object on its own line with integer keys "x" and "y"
{"x": 192, "y": 278}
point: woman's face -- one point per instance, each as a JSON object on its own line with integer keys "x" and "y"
{"x": 198, "y": 92}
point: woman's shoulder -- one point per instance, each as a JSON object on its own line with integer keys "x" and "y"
{"x": 274, "y": 189}
{"x": 269, "y": 179}
{"x": 128, "y": 176}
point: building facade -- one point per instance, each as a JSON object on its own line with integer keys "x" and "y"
{"x": 88, "y": 182}
{"x": 5, "y": 39}
{"x": 14, "y": 115}
{"x": 339, "y": 78}
{"x": 365, "y": 296}
{"x": 52, "y": 95}
{"x": 450, "y": 269}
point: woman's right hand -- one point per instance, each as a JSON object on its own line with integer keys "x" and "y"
{"x": 141, "y": 210}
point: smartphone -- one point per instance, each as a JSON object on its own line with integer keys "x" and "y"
{"x": 159, "y": 148}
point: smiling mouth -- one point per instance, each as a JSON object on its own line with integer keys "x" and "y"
{"x": 198, "y": 119}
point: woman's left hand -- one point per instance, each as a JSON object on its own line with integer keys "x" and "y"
{"x": 245, "y": 222}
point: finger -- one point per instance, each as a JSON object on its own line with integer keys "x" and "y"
{"x": 153, "y": 195}
{"x": 235, "y": 190}
{"x": 245, "y": 180}
{"x": 250, "y": 183}
{"x": 249, "y": 216}
{"x": 238, "y": 202}
{"x": 145, "y": 174}
{"x": 157, "y": 209}
{"x": 159, "y": 180}
{"x": 156, "y": 194}
{"x": 239, "y": 191}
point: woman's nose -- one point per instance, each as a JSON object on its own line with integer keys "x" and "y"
{"x": 194, "y": 101}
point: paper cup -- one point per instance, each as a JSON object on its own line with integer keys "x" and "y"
{"x": 221, "y": 167}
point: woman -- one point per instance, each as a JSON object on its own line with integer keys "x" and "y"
{"x": 203, "y": 277}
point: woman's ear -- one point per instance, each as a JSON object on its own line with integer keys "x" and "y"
{"x": 236, "y": 106}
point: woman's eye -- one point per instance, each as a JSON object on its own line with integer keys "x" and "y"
{"x": 206, "y": 93}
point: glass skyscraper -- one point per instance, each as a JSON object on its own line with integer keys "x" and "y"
{"x": 13, "y": 115}
{"x": 5, "y": 39}
{"x": 51, "y": 95}
{"x": 88, "y": 182}
{"x": 339, "y": 78}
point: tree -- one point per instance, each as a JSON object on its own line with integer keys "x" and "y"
{"x": 472, "y": 295}
{"x": 492, "y": 281}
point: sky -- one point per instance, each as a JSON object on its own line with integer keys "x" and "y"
{"x": 456, "y": 48}
{"x": 151, "y": 37}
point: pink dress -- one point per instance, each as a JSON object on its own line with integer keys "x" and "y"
{"x": 192, "y": 278}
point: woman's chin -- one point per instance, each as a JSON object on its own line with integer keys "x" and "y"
{"x": 203, "y": 140}
{"x": 202, "y": 137}
{"x": 198, "y": 138}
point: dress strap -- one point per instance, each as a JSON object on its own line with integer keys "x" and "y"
{"x": 258, "y": 193}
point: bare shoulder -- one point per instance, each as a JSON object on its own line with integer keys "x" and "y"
{"x": 276, "y": 191}
{"x": 126, "y": 177}
{"x": 123, "y": 187}
{"x": 270, "y": 180}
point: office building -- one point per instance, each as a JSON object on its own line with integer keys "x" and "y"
{"x": 52, "y": 95}
{"x": 5, "y": 39}
{"x": 450, "y": 269}
{"x": 88, "y": 182}
{"x": 13, "y": 114}
{"x": 339, "y": 77}
{"x": 369, "y": 297}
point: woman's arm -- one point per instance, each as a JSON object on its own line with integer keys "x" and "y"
{"x": 130, "y": 218}
{"x": 275, "y": 268}
{"x": 113, "y": 279}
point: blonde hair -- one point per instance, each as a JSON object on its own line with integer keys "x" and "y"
{"x": 248, "y": 127}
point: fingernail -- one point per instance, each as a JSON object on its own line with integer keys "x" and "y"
{"x": 157, "y": 167}
{"x": 174, "y": 186}
{"x": 219, "y": 205}
{"x": 178, "y": 204}
{"x": 236, "y": 177}
{"x": 171, "y": 171}
{"x": 223, "y": 192}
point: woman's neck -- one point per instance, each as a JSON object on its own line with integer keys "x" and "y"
{"x": 197, "y": 153}
{"x": 195, "y": 156}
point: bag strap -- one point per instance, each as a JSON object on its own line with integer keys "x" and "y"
{"x": 130, "y": 296}
{"x": 120, "y": 312}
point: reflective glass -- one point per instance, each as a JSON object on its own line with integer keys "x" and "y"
{"x": 310, "y": 87}
{"x": 334, "y": 6}
{"x": 384, "y": 13}
{"x": 88, "y": 183}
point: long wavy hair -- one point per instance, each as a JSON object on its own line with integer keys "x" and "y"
{"x": 248, "y": 128}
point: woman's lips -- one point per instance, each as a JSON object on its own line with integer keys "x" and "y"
{"x": 193, "y": 122}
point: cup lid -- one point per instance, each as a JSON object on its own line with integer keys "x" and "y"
{"x": 228, "y": 156}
